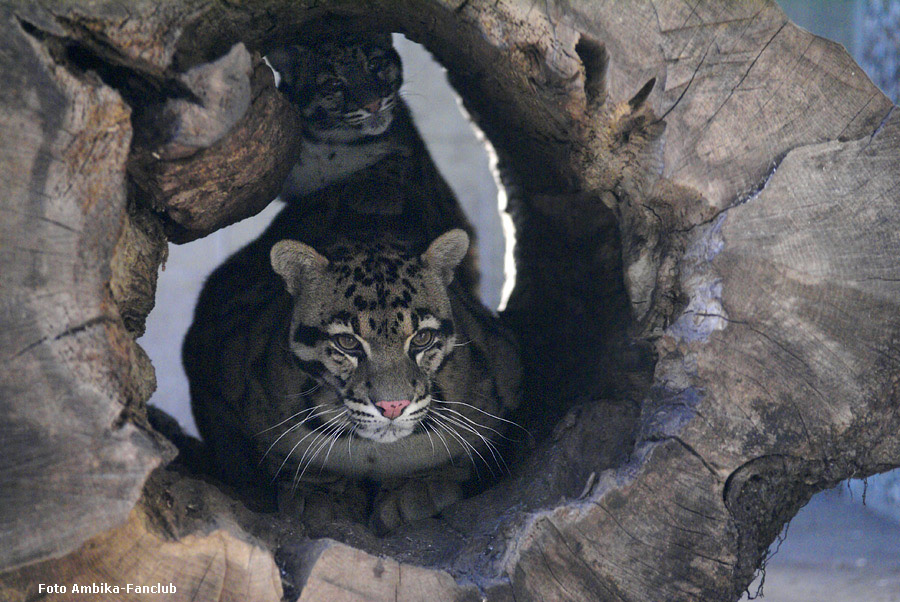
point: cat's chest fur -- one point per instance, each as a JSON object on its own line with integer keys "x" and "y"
{"x": 323, "y": 163}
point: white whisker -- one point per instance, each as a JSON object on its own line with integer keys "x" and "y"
{"x": 291, "y": 417}
{"x": 311, "y": 416}
{"x": 490, "y": 446}
{"x": 469, "y": 420}
{"x": 444, "y": 441}
{"x": 408, "y": 94}
{"x": 317, "y": 446}
{"x": 302, "y": 393}
{"x": 334, "y": 438}
{"x": 296, "y": 445}
{"x": 290, "y": 453}
{"x": 350, "y": 439}
{"x": 466, "y": 445}
{"x": 324, "y": 436}
{"x": 427, "y": 432}
{"x": 497, "y": 457}
{"x": 515, "y": 424}
{"x": 452, "y": 432}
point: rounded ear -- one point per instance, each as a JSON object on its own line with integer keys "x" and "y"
{"x": 290, "y": 62}
{"x": 445, "y": 253}
{"x": 294, "y": 262}
{"x": 382, "y": 38}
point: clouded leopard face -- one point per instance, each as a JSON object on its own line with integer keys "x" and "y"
{"x": 374, "y": 324}
{"x": 345, "y": 88}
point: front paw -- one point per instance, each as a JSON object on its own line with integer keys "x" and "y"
{"x": 322, "y": 503}
{"x": 412, "y": 501}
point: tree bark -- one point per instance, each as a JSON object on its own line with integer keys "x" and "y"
{"x": 75, "y": 448}
{"x": 181, "y": 536}
{"x": 708, "y": 290}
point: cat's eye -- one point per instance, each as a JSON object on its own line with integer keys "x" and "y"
{"x": 347, "y": 342}
{"x": 377, "y": 63}
{"x": 422, "y": 339}
{"x": 332, "y": 85}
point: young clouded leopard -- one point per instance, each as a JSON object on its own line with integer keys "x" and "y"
{"x": 347, "y": 89}
{"x": 362, "y": 154}
{"x": 352, "y": 356}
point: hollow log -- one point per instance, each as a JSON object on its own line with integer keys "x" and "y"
{"x": 707, "y": 293}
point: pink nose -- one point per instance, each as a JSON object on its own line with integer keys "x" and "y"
{"x": 373, "y": 106}
{"x": 392, "y": 409}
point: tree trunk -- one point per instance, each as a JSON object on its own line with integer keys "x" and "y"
{"x": 706, "y": 201}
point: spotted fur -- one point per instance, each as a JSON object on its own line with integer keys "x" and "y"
{"x": 373, "y": 324}
{"x": 276, "y": 383}
{"x": 345, "y": 87}
{"x": 362, "y": 155}
{"x": 347, "y": 90}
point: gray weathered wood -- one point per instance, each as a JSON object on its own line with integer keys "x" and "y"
{"x": 178, "y": 172}
{"x": 183, "y": 537}
{"x": 73, "y": 455}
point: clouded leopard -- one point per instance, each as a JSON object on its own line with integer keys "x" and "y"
{"x": 352, "y": 354}
{"x": 362, "y": 154}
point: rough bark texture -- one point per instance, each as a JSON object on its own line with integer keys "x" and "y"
{"x": 75, "y": 450}
{"x": 179, "y": 170}
{"x": 182, "y": 533}
{"x": 708, "y": 231}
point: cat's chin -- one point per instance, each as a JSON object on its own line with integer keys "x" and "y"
{"x": 385, "y": 433}
{"x": 376, "y": 124}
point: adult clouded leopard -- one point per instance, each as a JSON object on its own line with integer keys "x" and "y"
{"x": 355, "y": 355}
{"x": 362, "y": 154}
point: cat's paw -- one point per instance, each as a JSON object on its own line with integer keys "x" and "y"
{"x": 412, "y": 501}
{"x": 324, "y": 501}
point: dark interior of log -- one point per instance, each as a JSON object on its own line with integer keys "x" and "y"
{"x": 585, "y": 375}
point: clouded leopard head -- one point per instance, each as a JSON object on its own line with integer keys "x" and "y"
{"x": 373, "y": 322}
{"x": 346, "y": 87}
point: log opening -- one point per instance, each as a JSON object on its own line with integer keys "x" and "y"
{"x": 574, "y": 324}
